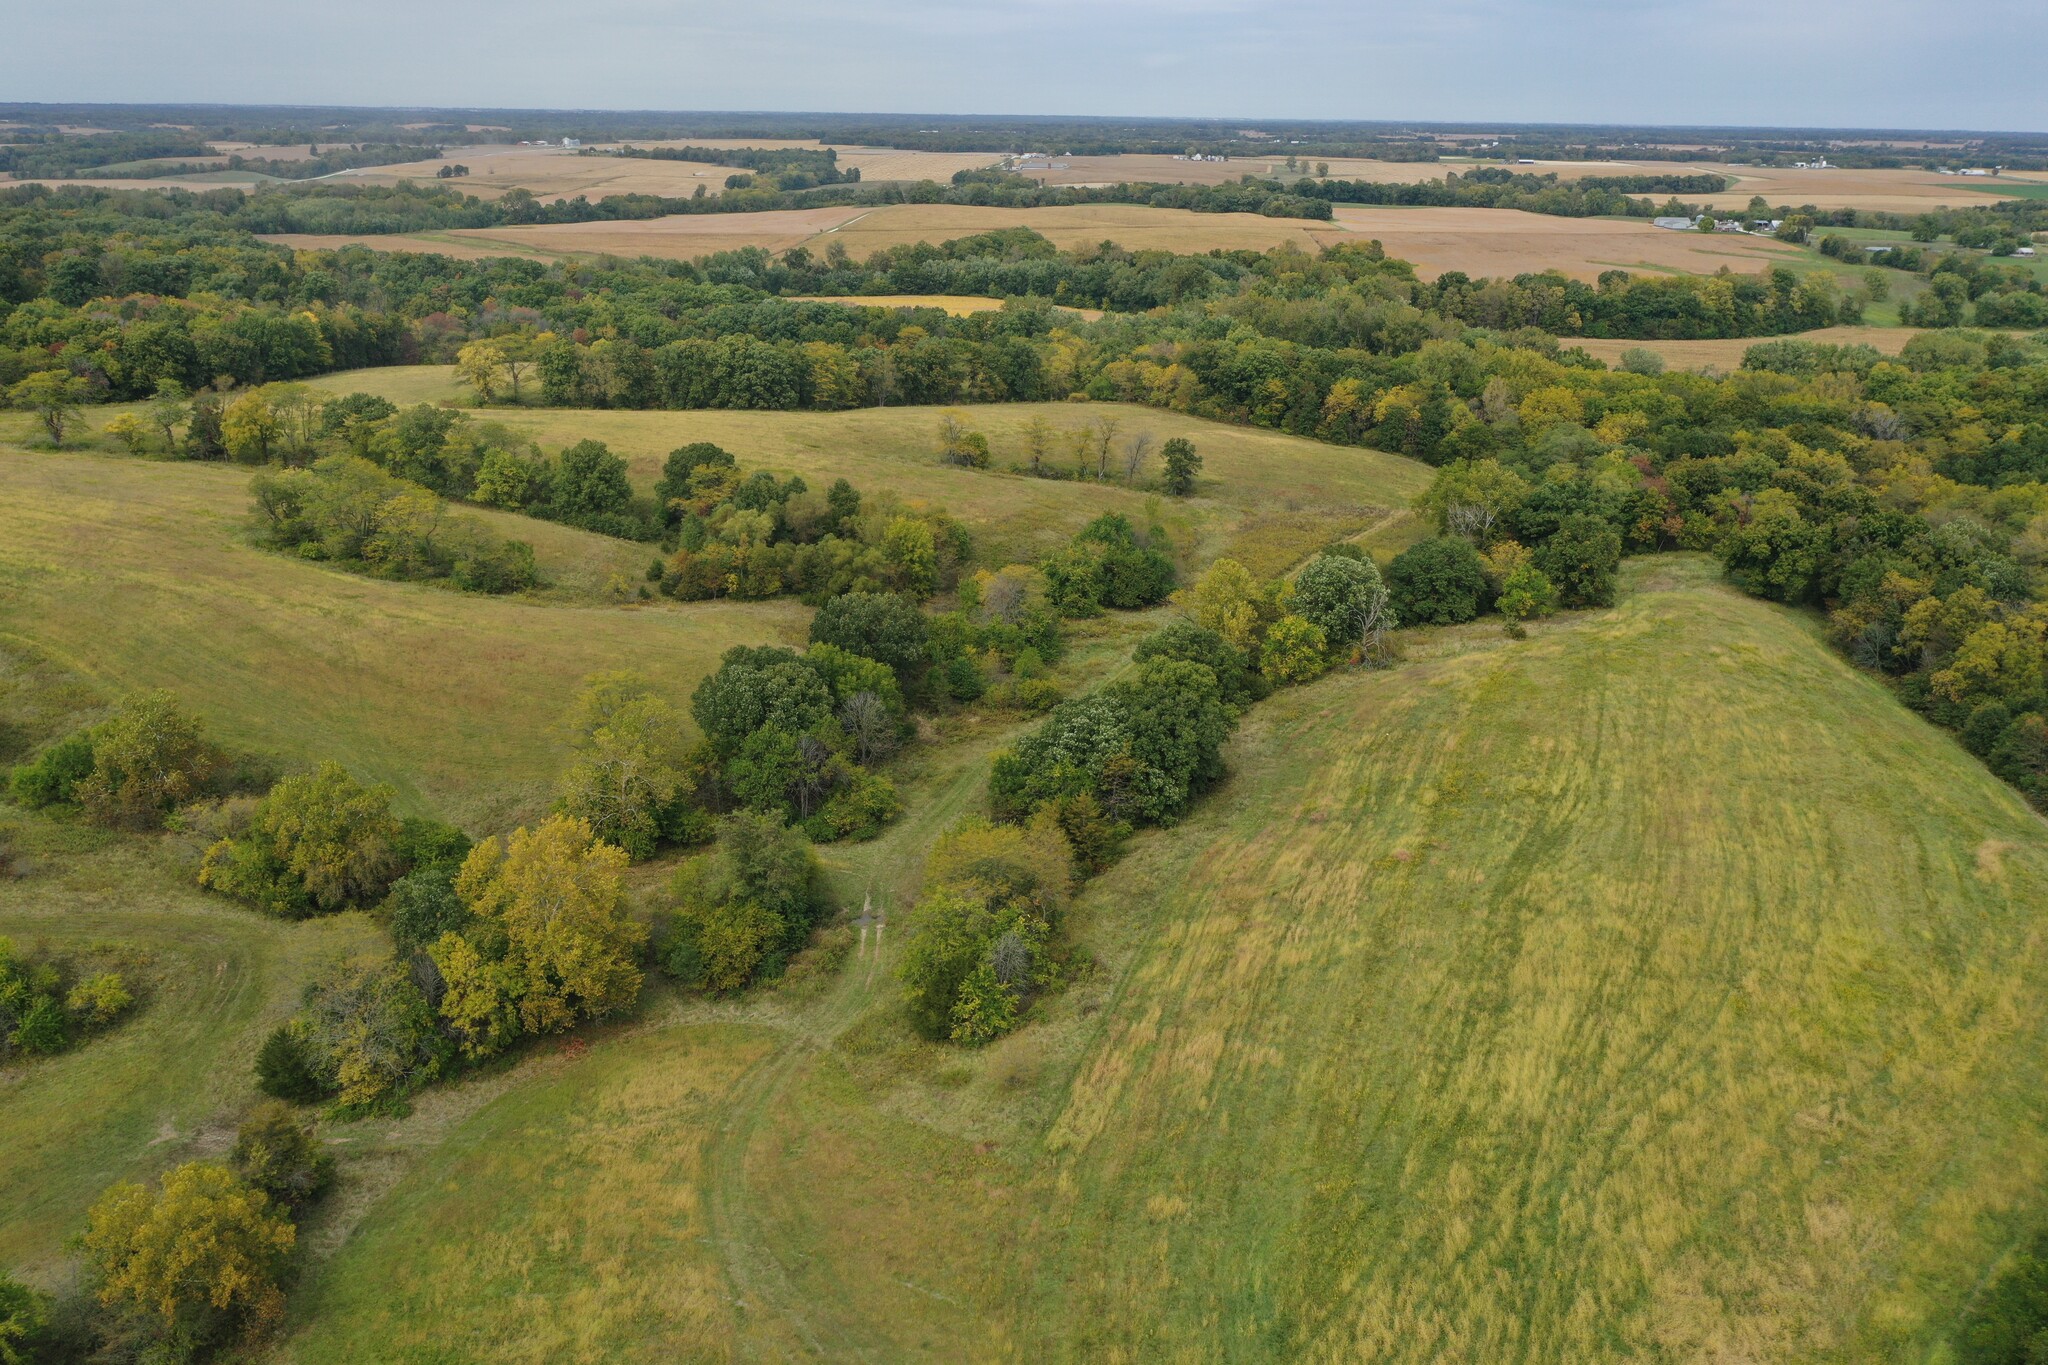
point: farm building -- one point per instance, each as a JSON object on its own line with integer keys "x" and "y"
{"x": 1676, "y": 224}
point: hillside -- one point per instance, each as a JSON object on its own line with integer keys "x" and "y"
{"x": 1264, "y": 497}
{"x": 136, "y": 574}
{"x": 1656, "y": 988}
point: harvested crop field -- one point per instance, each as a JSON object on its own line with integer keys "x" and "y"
{"x": 1164, "y": 169}
{"x": 553, "y": 172}
{"x": 1726, "y": 353}
{"x": 1508, "y": 242}
{"x": 1893, "y": 191}
{"x": 686, "y": 236}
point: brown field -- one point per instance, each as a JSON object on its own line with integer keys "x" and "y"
{"x": 1506, "y": 242}
{"x": 552, "y": 172}
{"x": 864, "y": 231}
{"x": 1107, "y": 170}
{"x": 1726, "y": 353}
{"x": 1898, "y": 191}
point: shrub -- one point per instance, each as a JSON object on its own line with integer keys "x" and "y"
{"x": 286, "y": 1067}
{"x": 1439, "y": 581}
{"x": 52, "y": 778}
{"x": 744, "y": 906}
{"x": 146, "y": 761}
{"x": 279, "y": 1155}
{"x": 43, "y": 1029}
{"x": 99, "y": 1000}
{"x": 858, "y": 810}
{"x": 1526, "y": 593}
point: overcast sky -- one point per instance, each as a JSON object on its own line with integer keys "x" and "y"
{"x": 1831, "y": 63}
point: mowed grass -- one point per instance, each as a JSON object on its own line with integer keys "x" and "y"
{"x": 1656, "y": 988}
{"x": 1264, "y": 497}
{"x": 169, "y": 1084}
{"x": 137, "y": 574}
{"x": 561, "y": 1222}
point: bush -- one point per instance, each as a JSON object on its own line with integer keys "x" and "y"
{"x": 52, "y": 778}
{"x": 147, "y": 760}
{"x": 742, "y": 908}
{"x": 99, "y": 1000}
{"x": 280, "y": 1156}
{"x": 286, "y": 1068}
{"x": 318, "y": 843}
{"x": 858, "y": 810}
{"x": 1439, "y": 581}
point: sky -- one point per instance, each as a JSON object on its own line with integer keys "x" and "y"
{"x": 1821, "y": 63}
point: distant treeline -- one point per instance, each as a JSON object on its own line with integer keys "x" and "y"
{"x": 790, "y": 168}
{"x": 55, "y": 154}
{"x": 1501, "y": 189}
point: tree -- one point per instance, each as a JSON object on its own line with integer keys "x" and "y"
{"x": 129, "y": 430}
{"x": 1335, "y": 592}
{"x": 482, "y": 366}
{"x": 1473, "y": 498}
{"x": 337, "y": 836}
{"x": 148, "y": 759}
{"x": 1183, "y": 465}
{"x": 960, "y": 446}
{"x": 879, "y": 625}
{"x": 279, "y": 1155}
{"x": 1230, "y": 601}
{"x": 1137, "y": 450}
{"x": 286, "y": 1068}
{"x": 1295, "y": 651}
{"x": 1102, "y": 437}
{"x": 1037, "y": 441}
{"x": 1239, "y": 680}
{"x": 54, "y": 397}
{"x": 558, "y": 897}
{"x": 200, "y": 1259}
{"x": 167, "y": 409}
{"x": 590, "y": 482}
{"x": 631, "y": 755}
{"x": 756, "y": 688}
{"x": 1439, "y": 581}
{"x": 249, "y": 428}
{"x": 24, "y": 1321}
{"x": 1581, "y": 559}
{"x": 753, "y": 898}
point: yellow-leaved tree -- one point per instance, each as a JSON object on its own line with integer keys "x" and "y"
{"x": 198, "y": 1259}
{"x": 550, "y": 907}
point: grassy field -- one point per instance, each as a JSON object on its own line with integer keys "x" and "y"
{"x": 169, "y": 1084}
{"x": 1265, "y": 497}
{"x": 1655, "y": 988}
{"x": 1725, "y": 353}
{"x": 136, "y": 574}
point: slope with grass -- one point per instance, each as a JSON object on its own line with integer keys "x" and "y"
{"x": 1653, "y": 989}
{"x": 1264, "y": 497}
{"x": 170, "y": 1083}
{"x": 136, "y": 574}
